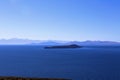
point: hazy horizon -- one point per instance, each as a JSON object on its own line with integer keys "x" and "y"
{"x": 51, "y": 39}
{"x": 67, "y": 20}
{"x": 18, "y": 41}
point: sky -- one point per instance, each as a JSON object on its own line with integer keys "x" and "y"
{"x": 60, "y": 19}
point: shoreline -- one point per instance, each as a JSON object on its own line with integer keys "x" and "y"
{"x": 28, "y": 78}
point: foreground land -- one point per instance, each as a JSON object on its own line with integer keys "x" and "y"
{"x": 21, "y": 78}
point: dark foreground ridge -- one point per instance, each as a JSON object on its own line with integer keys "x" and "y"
{"x": 63, "y": 46}
{"x": 21, "y": 78}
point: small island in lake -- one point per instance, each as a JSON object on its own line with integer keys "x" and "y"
{"x": 63, "y": 46}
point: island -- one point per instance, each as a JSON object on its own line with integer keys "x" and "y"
{"x": 63, "y": 46}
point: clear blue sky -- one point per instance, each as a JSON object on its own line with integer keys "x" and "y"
{"x": 60, "y": 19}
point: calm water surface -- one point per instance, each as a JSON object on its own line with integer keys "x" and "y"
{"x": 77, "y": 64}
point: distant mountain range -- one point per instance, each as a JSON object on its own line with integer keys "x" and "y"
{"x": 15, "y": 41}
{"x": 96, "y": 43}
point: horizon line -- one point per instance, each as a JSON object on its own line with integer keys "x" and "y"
{"x": 54, "y": 40}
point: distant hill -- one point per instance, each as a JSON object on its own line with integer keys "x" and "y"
{"x": 84, "y": 43}
{"x": 50, "y": 42}
{"x": 15, "y": 41}
{"x": 46, "y": 43}
{"x": 95, "y": 43}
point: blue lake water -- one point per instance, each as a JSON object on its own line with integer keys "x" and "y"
{"x": 92, "y": 63}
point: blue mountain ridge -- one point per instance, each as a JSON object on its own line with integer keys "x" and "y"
{"x": 15, "y": 41}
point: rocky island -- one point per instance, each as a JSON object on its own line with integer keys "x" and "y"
{"x": 63, "y": 46}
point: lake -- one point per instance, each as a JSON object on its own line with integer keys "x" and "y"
{"x": 87, "y": 63}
